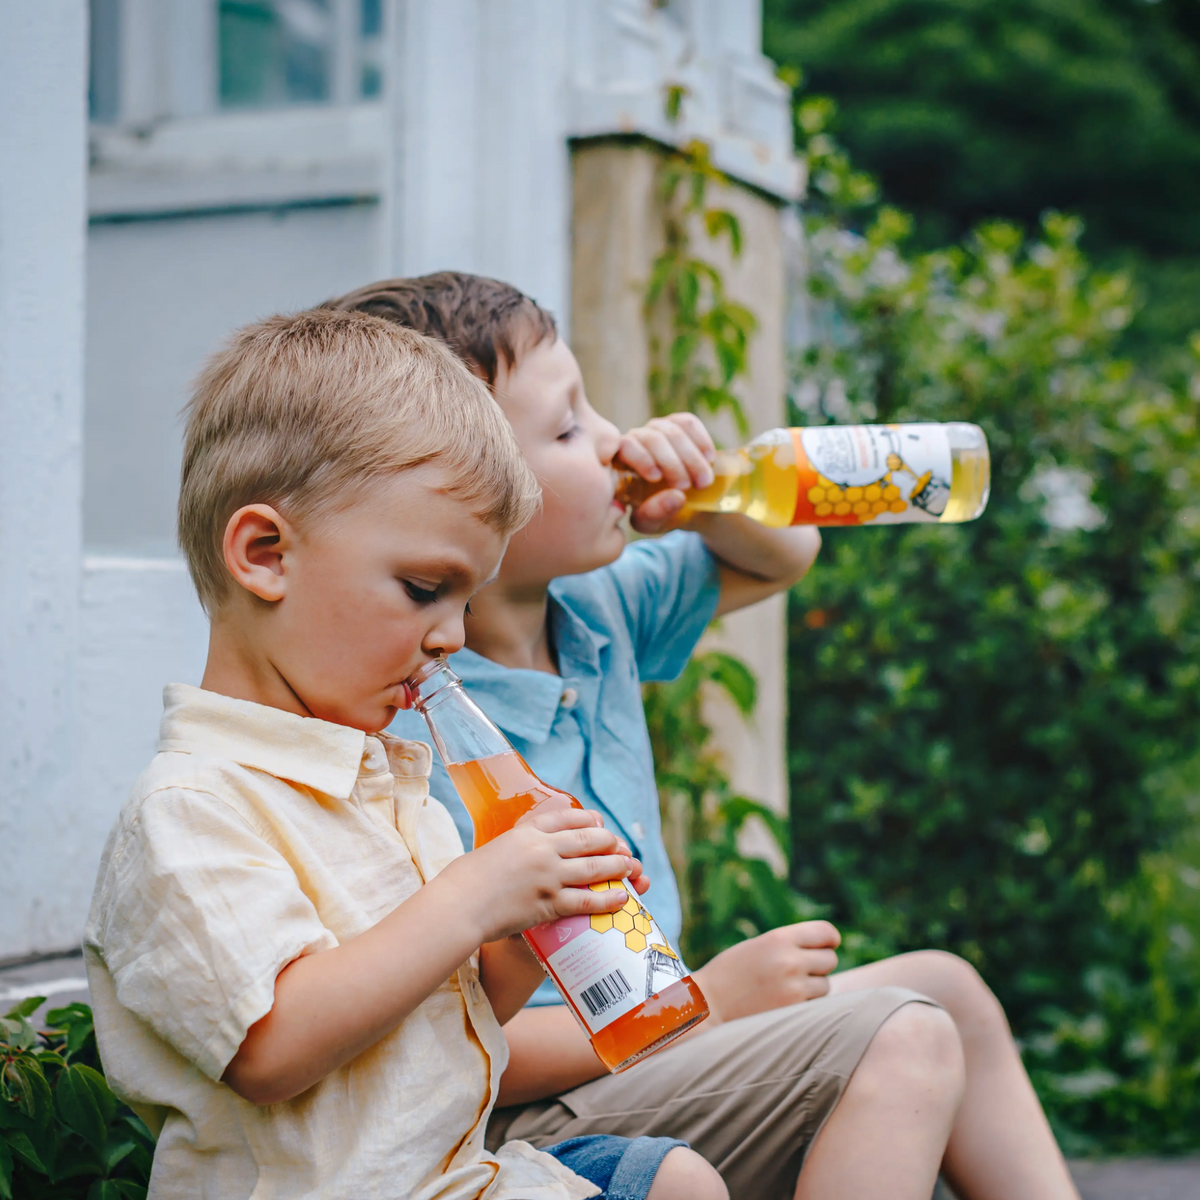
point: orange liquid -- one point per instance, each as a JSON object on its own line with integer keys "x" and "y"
{"x": 497, "y": 791}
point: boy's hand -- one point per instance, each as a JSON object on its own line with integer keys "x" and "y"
{"x": 783, "y": 966}
{"x": 676, "y": 449}
{"x": 540, "y": 870}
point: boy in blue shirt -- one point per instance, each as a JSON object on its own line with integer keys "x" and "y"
{"x": 800, "y": 1083}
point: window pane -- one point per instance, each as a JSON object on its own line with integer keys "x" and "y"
{"x": 104, "y": 96}
{"x": 371, "y": 50}
{"x": 275, "y": 52}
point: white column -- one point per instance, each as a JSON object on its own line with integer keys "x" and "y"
{"x": 480, "y": 172}
{"x": 433, "y": 184}
{"x": 43, "y": 96}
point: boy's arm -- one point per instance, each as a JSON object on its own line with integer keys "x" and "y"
{"x": 332, "y": 1005}
{"x": 755, "y": 561}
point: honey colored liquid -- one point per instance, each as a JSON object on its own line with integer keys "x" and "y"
{"x": 497, "y": 791}
{"x": 765, "y": 483}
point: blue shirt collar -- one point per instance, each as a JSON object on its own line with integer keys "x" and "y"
{"x": 524, "y": 703}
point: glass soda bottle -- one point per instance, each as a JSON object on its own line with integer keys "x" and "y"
{"x": 844, "y": 475}
{"x": 617, "y": 972}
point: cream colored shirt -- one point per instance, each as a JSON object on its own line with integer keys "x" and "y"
{"x": 256, "y": 836}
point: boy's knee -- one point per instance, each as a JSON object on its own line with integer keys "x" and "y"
{"x": 961, "y": 990}
{"x": 684, "y": 1175}
{"x": 918, "y": 1048}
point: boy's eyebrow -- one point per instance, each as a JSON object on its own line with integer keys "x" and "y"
{"x": 450, "y": 568}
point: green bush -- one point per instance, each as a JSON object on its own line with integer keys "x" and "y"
{"x": 993, "y": 726}
{"x": 63, "y": 1134}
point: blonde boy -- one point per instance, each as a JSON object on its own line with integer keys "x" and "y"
{"x": 298, "y": 977}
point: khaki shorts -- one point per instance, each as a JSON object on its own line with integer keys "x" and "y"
{"x": 751, "y": 1096}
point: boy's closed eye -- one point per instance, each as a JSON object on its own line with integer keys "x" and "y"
{"x": 426, "y": 595}
{"x": 419, "y": 594}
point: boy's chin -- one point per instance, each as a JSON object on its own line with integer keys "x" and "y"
{"x": 606, "y": 550}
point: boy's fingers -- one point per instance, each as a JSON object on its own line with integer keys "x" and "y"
{"x": 820, "y": 962}
{"x": 637, "y": 878}
{"x": 697, "y": 431}
{"x": 660, "y": 445}
{"x": 554, "y": 820}
{"x": 691, "y": 456}
{"x": 597, "y": 868}
{"x": 579, "y": 843}
{"x": 637, "y": 458}
{"x": 813, "y": 935}
{"x": 658, "y": 512}
{"x": 578, "y": 901}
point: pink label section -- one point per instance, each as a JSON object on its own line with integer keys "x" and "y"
{"x": 554, "y": 935}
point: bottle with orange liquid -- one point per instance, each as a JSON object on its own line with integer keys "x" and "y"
{"x": 617, "y": 972}
{"x": 844, "y": 475}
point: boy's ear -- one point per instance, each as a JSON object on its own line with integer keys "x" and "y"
{"x": 256, "y": 539}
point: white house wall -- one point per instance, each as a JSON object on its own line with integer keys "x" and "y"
{"x": 204, "y": 220}
{"x": 42, "y": 165}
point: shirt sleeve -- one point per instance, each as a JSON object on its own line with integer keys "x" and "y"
{"x": 199, "y": 916}
{"x": 669, "y": 588}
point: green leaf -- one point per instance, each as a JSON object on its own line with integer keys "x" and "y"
{"x": 26, "y": 1007}
{"x": 26, "y": 1086}
{"x": 17, "y": 1032}
{"x": 6, "y": 1170}
{"x": 76, "y": 1019}
{"x": 130, "y": 1190}
{"x": 85, "y": 1104}
{"x": 23, "y": 1148}
{"x": 104, "y": 1189}
{"x": 75, "y": 1160}
{"x": 115, "y": 1154}
{"x": 733, "y": 677}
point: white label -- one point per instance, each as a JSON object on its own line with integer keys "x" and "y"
{"x": 608, "y": 964}
{"x": 886, "y": 474}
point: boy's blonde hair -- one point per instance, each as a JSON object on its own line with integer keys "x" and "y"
{"x": 298, "y": 411}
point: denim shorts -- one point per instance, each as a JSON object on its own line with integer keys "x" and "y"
{"x": 623, "y": 1168}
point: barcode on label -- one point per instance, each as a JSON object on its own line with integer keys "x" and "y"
{"x": 608, "y": 991}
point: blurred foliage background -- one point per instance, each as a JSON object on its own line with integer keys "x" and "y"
{"x": 993, "y": 728}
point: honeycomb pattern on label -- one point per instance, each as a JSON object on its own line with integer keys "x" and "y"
{"x": 631, "y": 920}
{"x": 866, "y": 503}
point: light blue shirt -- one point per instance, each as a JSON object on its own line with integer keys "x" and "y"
{"x": 634, "y": 621}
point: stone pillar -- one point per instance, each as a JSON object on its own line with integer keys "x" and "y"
{"x": 43, "y": 156}
{"x": 617, "y": 228}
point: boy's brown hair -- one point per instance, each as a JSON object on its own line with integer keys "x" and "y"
{"x": 482, "y": 320}
{"x": 299, "y": 411}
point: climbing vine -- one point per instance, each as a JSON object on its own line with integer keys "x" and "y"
{"x": 699, "y": 340}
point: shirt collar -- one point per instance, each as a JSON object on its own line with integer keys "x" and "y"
{"x": 524, "y": 703}
{"x": 304, "y": 750}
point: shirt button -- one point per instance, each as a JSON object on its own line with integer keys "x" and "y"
{"x": 569, "y": 697}
{"x": 637, "y": 830}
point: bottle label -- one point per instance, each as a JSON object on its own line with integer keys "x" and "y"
{"x": 881, "y": 474}
{"x": 610, "y": 963}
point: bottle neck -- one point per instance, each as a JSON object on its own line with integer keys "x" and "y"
{"x": 458, "y": 726}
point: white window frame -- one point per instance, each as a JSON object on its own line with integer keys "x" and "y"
{"x": 172, "y": 150}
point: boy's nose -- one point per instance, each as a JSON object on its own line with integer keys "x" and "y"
{"x": 445, "y": 638}
{"x": 608, "y": 440}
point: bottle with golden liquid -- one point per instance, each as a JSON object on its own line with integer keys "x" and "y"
{"x": 616, "y": 971}
{"x": 844, "y": 475}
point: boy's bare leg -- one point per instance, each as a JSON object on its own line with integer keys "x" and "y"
{"x": 1000, "y": 1145}
{"x": 889, "y": 1131}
